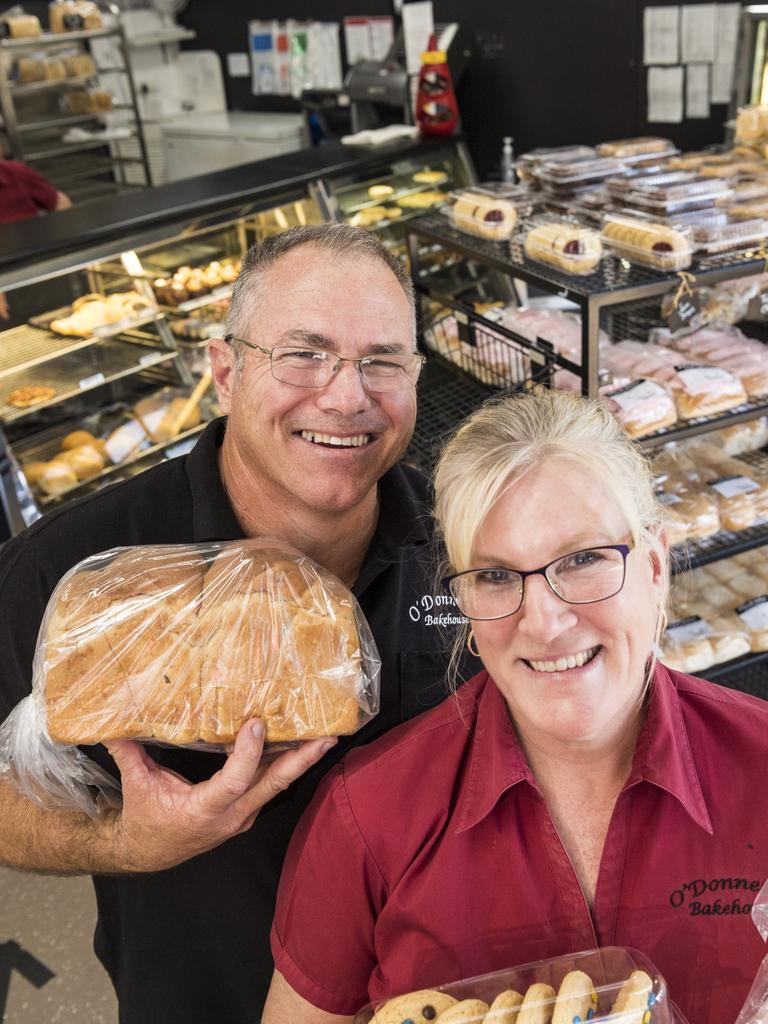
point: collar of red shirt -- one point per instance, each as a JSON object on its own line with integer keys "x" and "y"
{"x": 662, "y": 758}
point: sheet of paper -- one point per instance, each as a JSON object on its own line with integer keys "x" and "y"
{"x": 238, "y": 65}
{"x": 357, "y": 40}
{"x": 382, "y": 35}
{"x": 697, "y": 90}
{"x": 661, "y": 36}
{"x": 724, "y": 68}
{"x": 262, "y": 50}
{"x": 665, "y": 95}
{"x": 418, "y": 26}
{"x": 698, "y": 33}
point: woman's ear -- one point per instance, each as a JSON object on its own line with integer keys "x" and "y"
{"x": 658, "y": 553}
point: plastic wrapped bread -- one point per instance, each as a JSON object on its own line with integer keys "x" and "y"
{"x": 182, "y": 645}
{"x": 611, "y": 984}
{"x": 742, "y": 437}
{"x": 641, "y": 407}
{"x": 730, "y": 349}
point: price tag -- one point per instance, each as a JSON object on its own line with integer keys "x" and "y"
{"x": 668, "y": 499}
{"x": 732, "y": 486}
{"x": 688, "y": 629}
{"x": 684, "y": 311}
{"x": 91, "y": 382}
{"x": 755, "y": 612}
{"x": 758, "y": 307}
{"x": 638, "y": 391}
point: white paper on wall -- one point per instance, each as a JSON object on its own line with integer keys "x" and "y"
{"x": 661, "y": 36}
{"x": 665, "y": 95}
{"x": 698, "y": 33}
{"x": 724, "y": 68}
{"x": 697, "y": 90}
{"x": 418, "y": 26}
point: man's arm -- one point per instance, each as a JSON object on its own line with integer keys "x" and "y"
{"x": 285, "y": 1006}
{"x": 164, "y": 820}
{"x": 63, "y": 202}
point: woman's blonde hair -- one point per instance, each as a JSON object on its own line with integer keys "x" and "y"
{"x": 508, "y": 437}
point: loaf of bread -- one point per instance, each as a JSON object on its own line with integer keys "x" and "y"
{"x": 568, "y": 247}
{"x": 183, "y": 645}
{"x": 652, "y": 244}
{"x": 74, "y": 16}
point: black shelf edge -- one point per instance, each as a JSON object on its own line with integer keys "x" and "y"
{"x": 703, "y": 425}
{"x": 724, "y": 544}
{"x": 746, "y": 662}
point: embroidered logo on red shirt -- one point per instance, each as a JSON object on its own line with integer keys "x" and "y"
{"x": 712, "y": 896}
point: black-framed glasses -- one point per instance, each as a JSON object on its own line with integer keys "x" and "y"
{"x": 316, "y": 368}
{"x": 582, "y": 577}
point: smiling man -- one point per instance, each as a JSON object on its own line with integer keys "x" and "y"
{"x": 317, "y": 382}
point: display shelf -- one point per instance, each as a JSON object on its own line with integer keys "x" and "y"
{"x": 29, "y": 345}
{"x": 364, "y": 201}
{"x": 704, "y": 424}
{"x": 54, "y": 39}
{"x": 81, "y": 147}
{"x": 222, "y": 292}
{"x": 80, "y": 371}
{"x": 71, "y": 81}
{"x": 723, "y": 544}
{"x": 748, "y": 674}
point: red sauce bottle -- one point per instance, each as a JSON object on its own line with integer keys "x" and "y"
{"x": 437, "y": 112}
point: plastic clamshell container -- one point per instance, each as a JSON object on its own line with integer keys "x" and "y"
{"x": 613, "y": 984}
{"x": 482, "y": 214}
{"x": 653, "y": 245}
{"x": 640, "y": 147}
{"x": 708, "y": 218}
{"x": 748, "y": 211}
{"x": 578, "y": 172}
{"x": 563, "y": 244}
{"x": 634, "y": 182}
{"x": 734, "y": 235}
{"x": 672, "y": 197}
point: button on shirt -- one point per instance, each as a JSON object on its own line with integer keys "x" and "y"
{"x": 23, "y": 192}
{"x": 191, "y": 945}
{"x": 452, "y": 866}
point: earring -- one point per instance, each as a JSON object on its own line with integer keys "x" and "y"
{"x": 470, "y": 648}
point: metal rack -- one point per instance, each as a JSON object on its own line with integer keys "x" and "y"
{"x": 620, "y": 297}
{"x": 34, "y": 123}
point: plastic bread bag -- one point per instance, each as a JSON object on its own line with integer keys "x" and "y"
{"x": 755, "y": 1008}
{"x": 742, "y": 437}
{"x": 181, "y": 645}
{"x": 641, "y": 407}
{"x": 610, "y": 984}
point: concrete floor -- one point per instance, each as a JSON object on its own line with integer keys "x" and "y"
{"x": 48, "y": 972}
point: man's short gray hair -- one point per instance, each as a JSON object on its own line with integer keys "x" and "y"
{"x": 337, "y": 241}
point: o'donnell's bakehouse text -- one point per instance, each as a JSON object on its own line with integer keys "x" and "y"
{"x": 715, "y": 896}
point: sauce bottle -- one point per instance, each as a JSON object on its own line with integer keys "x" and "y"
{"x": 437, "y": 112}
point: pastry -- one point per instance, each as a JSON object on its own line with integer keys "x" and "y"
{"x": 643, "y": 145}
{"x": 484, "y": 216}
{"x": 91, "y": 312}
{"x": 653, "y": 244}
{"x": 420, "y": 1007}
{"x": 57, "y": 477}
{"x": 74, "y": 16}
{"x": 422, "y": 200}
{"x": 380, "y": 191}
{"x": 576, "y": 999}
{"x": 30, "y": 69}
{"x": 568, "y": 247}
{"x": 75, "y": 439}
{"x": 20, "y": 26}
{"x": 80, "y": 64}
{"x": 429, "y": 177}
{"x": 169, "y": 647}
{"x": 537, "y": 1005}
{"x": 505, "y": 1007}
{"x": 468, "y": 1011}
{"x": 31, "y": 394}
{"x": 32, "y": 471}
{"x": 634, "y": 999}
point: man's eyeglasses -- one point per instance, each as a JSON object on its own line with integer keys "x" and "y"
{"x": 583, "y": 577}
{"x": 316, "y": 368}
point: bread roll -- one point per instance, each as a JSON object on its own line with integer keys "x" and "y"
{"x": 32, "y": 471}
{"x": 86, "y": 460}
{"x": 57, "y": 477}
{"x": 165, "y": 647}
{"x": 75, "y": 439}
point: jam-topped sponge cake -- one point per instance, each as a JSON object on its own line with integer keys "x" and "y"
{"x": 653, "y": 244}
{"x": 568, "y": 247}
{"x": 484, "y": 215}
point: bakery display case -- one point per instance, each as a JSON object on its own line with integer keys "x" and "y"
{"x": 57, "y": 115}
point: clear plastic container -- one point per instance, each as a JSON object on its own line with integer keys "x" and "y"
{"x": 739, "y": 234}
{"x": 610, "y": 984}
{"x": 563, "y": 244}
{"x": 639, "y": 148}
{"x": 677, "y": 197}
{"x": 479, "y": 212}
{"x": 528, "y": 162}
{"x": 653, "y": 245}
{"x": 577, "y": 172}
{"x": 748, "y": 211}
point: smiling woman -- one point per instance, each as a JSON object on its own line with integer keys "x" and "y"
{"x": 561, "y": 799}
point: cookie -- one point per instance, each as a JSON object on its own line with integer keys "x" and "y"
{"x": 537, "y": 1005}
{"x": 419, "y": 1008}
{"x": 576, "y": 999}
{"x": 380, "y": 191}
{"x": 635, "y": 999}
{"x": 505, "y": 1008}
{"x": 429, "y": 177}
{"x": 468, "y": 1011}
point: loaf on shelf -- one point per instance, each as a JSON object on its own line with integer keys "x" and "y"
{"x": 74, "y": 16}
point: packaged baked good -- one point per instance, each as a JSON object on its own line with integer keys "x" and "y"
{"x": 639, "y": 147}
{"x": 29, "y": 69}
{"x": 738, "y": 234}
{"x": 645, "y": 242}
{"x": 166, "y": 413}
{"x": 55, "y": 70}
{"x": 728, "y": 348}
{"x": 80, "y": 64}
{"x": 565, "y": 245}
{"x": 183, "y": 644}
{"x": 15, "y": 24}
{"x": 702, "y": 390}
{"x": 742, "y": 437}
{"x": 482, "y": 213}
{"x": 641, "y": 407}
{"x": 74, "y": 16}
{"x": 611, "y": 984}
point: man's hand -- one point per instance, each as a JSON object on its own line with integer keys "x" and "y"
{"x": 5, "y": 313}
{"x": 166, "y": 820}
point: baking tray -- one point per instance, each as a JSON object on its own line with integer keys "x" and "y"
{"x": 79, "y": 371}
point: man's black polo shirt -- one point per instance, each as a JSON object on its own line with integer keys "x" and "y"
{"x": 192, "y": 944}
